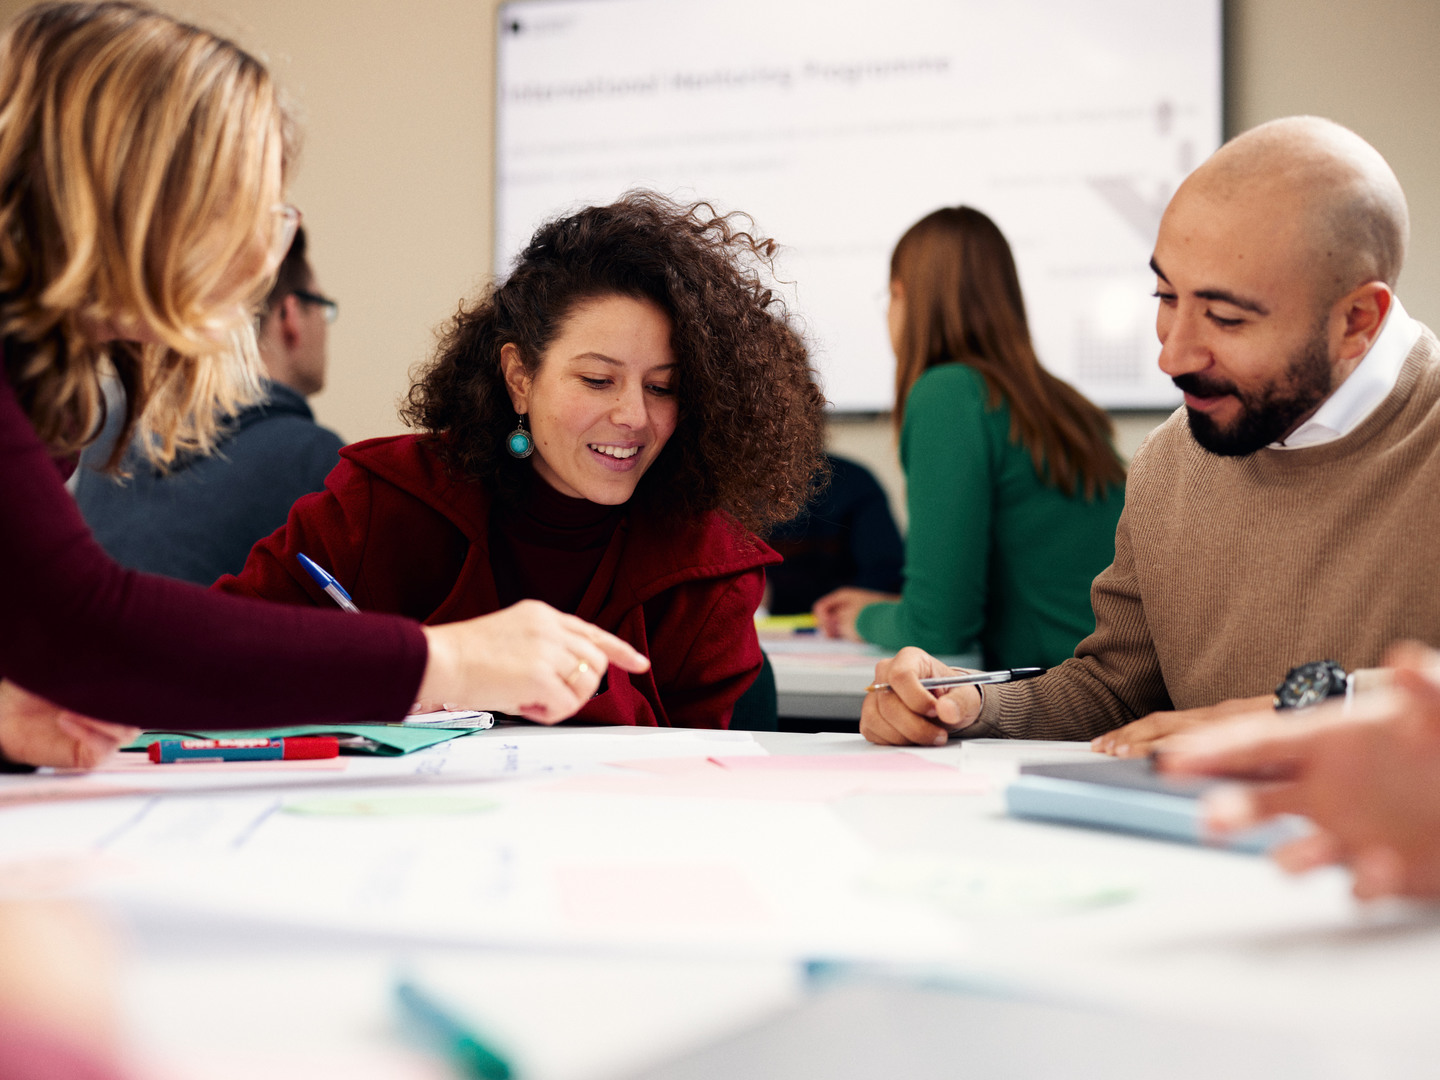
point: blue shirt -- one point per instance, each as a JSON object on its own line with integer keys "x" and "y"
{"x": 198, "y": 521}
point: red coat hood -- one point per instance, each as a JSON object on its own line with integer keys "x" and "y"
{"x": 658, "y": 553}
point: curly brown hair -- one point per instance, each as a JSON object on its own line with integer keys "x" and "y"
{"x": 749, "y": 438}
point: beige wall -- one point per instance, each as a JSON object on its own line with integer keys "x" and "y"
{"x": 395, "y": 179}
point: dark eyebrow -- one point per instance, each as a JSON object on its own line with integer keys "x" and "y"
{"x": 612, "y": 361}
{"x": 1224, "y": 296}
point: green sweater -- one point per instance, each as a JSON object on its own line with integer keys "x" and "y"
{"x": 993, "y": 555}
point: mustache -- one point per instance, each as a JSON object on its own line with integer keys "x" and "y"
{"x": 1196, "y": 386}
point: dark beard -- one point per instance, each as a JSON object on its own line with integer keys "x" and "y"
{"x": 1267, "y": 415}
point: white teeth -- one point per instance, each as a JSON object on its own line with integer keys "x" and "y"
{"x": 621, "y": 452}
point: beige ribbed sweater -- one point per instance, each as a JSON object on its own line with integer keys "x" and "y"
{"x": 1230, "y": 571}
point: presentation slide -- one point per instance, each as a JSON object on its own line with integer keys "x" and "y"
{"x": 836, "y": 126}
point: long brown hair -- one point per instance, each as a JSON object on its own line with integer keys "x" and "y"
{"x": 962, "y": 303}
{"x": 751, "y": 429}
{"x": 138, "y": 158}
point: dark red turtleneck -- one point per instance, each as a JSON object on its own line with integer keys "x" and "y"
{"x": 549, "y": 546}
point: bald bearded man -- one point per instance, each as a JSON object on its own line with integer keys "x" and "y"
{"x": 1287, "y": 512}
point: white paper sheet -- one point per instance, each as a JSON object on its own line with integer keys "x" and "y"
{"x": 701, "y": 876}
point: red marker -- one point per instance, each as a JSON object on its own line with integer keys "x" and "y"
{"x": 297, "y": 746}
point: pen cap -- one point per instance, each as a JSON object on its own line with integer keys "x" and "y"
{"x": 311, "y": 746}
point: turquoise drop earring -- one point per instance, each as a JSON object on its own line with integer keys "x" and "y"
{"x": 519, "y": 442}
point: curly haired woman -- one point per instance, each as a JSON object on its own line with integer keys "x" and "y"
{"x": 603, "y": 430}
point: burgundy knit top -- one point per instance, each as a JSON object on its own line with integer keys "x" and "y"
{"x": 80, "y": 630}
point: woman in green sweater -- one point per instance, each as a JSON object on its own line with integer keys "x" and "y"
{"x": 1014, "y": 488}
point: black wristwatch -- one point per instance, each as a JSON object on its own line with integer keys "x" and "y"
{"x": 1309, "y": 684}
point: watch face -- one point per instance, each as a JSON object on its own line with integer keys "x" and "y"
{"x": 1310, "y": 684}
{"x": 1308, "y": 689}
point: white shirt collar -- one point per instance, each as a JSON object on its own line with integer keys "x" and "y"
{"x": 1369, "y": 384}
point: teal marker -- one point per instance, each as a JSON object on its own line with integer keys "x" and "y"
{"x": 459, "y": 1042}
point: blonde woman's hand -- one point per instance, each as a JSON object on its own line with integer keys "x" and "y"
{"x": 34, "y": 731}
{"x": 528, "y": 660}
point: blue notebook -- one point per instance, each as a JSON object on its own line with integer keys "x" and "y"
{"x": 1130, "y": 796}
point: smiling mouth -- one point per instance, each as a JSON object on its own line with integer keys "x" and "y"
{"x": 1203, "y": 395}
{"x": 1203, "y": 403}
{"x": 620, "y": 453}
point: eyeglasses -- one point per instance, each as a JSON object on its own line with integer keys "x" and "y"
{"x": 332, "y": 308}
{"x": 287, "y": 221}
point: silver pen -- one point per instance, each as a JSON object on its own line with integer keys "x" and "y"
{"x": 970, "y": 678}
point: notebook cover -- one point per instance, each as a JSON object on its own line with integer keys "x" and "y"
{"x": 1129, "y": 796}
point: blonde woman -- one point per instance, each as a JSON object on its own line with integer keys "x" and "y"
{"x": 142, "y": 169}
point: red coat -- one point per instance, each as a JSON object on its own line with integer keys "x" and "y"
{"x": 404, "y": 535}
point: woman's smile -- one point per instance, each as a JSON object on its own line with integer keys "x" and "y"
{"x": 622, "y": 455}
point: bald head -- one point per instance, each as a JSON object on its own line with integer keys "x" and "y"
{"x": 1274, "y": 265}
{"x": 1343, "y": 201}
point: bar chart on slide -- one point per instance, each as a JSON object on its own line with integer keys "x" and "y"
{"x": 1069, "y": 124}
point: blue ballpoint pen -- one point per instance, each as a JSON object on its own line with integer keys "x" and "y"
{"x": 332, "y": 587}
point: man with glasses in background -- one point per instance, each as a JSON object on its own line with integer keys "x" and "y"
{"x": 198, "y": 521}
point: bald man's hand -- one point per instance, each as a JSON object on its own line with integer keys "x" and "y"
{"x": 1368, "y": 778}
{"x": 907, "y": 714}
{"x": 1140, "y": 738}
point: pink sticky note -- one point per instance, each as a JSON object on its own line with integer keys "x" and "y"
{"x": 712, "y": 782}
{"x": 669, "y": 893}
{"x": 666, "y": 766}
{"x": 47, "y": 790}
{"x": 703, "y": 778}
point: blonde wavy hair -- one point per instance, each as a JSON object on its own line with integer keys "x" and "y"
{"x": 141, "y": 164}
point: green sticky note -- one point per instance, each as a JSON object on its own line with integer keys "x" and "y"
{"x": 974, "y": 887}
{"x": 392, "y": 739}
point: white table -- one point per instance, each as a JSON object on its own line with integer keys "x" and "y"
{"x": 819, "y": 678}
{"x": 825, "y": 679}
{"x": 1218, "y": 964}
